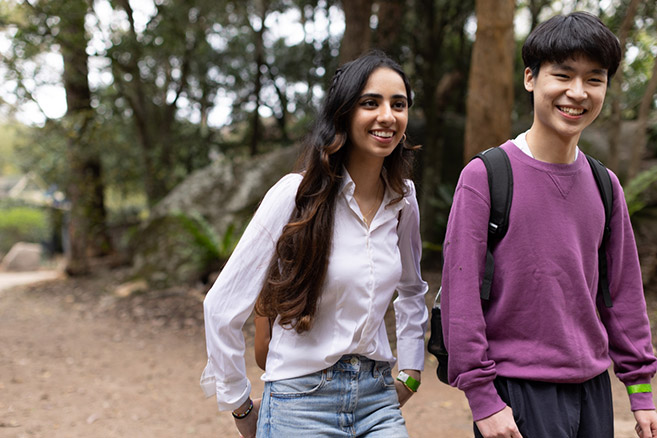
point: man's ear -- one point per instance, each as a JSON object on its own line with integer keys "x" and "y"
{"x": 529, "y": 80}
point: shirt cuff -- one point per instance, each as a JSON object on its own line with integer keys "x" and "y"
{"x": 484, "y": 401}
{"x": 226, "y": 399}
{"x": 230, "y": 396}
{"x": 410, "y": 354}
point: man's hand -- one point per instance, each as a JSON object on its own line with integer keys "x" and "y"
{"x": 403, "y": 393}
{"x": 247, "y": 426}
{"x": 646, "y": 424}
{"x": 499, "y": 425}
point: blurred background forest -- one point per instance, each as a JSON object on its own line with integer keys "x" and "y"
{"x": 143, "y": 133}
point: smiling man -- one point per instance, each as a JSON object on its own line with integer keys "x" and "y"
{"x": 533, "y": 358}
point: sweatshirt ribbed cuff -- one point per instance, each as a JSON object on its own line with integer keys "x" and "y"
{"x": 484, "y": 401}
{"x": 641, "y": 401}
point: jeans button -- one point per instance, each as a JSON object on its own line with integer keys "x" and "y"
{"x": 354, "y": 361}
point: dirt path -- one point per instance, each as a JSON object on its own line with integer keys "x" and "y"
{"x": 9, "y": 280}
{"x": 76, "y": 362}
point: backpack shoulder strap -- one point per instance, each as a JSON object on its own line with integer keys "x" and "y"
{"x": 603, "y": 181}
{"x": 500, "y": 185}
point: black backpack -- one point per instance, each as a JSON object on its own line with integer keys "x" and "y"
{"x": 500, "y": 183}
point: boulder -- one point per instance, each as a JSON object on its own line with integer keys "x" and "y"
{"x": 173, "y": 250}
{"x": 227, "y": 192}
{"x": 22, "y": 257}
{"x": 191, "y": 231}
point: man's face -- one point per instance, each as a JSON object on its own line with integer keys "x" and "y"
{"x": 568, "y": 96}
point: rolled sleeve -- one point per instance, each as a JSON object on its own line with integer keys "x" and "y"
{"x": 411, "y": 314}
{"x": 230, "y": 300}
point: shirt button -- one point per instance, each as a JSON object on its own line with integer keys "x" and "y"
{"x": 354, "y": 361}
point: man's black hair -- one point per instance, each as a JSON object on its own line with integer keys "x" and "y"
{"x": 566, "y": 36}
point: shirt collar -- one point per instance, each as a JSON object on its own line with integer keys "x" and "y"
{"x": 349, "y": 186}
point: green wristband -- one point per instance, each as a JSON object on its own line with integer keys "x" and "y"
{"x": 407, "y": 380}
{"x": 637, "y": 389}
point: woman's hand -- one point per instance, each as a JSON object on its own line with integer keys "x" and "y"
{"x": 403, "y": 393}
{"x": 247, "y": 426}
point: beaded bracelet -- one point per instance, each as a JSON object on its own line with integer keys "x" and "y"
{"x": 245, "y": 413}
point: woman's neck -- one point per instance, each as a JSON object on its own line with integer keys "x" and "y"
{"x": 366, "y": 177}
{"x": 369, "y": 188}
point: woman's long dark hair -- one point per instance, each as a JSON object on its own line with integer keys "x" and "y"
{"x": 298, "y": 269}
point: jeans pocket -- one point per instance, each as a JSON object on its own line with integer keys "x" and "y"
{"x": 298, "y": 386}
{"x": 383, "y": 374}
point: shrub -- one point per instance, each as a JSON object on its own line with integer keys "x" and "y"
{"x": 641, "y": 190}
{"x": 22, "y": 224}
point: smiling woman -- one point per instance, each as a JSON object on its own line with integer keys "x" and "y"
{"x": 322, "y": 258}
{"x": 379, "y": 119}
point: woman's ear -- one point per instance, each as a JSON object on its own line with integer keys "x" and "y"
{"x": 529, "y": 79}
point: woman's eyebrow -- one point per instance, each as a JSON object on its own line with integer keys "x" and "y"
{"x": 379, "y": 96}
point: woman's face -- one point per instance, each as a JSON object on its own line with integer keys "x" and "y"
{"x": 379, "y": 119}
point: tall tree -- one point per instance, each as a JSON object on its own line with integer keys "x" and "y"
{"x": 45, "y": 27}
{"x": 152, "y": 69}
{"x": 390, "y": 17}
{"x": 616, "y": 93}
{"x": 535, "y": 7}
{"x": 490, "y": 85}
{"x": 440, "y": 56}
{"x": 263, "y": 9}
{"x": 86, "y": 229}
{"x": 357, "y": 32}
{"x": 646, "y": 105}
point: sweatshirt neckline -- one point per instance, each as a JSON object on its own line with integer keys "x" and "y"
{"x": 556, "y": 168}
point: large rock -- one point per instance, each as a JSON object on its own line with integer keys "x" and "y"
{"x": 180, "y": 241}
{"x": 22, "y": 257}
{"x": 227, "y": 192}
{"x": 173, "y": 250}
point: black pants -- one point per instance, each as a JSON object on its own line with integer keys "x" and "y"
{"x": 559, "y": 410}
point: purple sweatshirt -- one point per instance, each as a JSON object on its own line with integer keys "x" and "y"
{"x": 541, "y": 321}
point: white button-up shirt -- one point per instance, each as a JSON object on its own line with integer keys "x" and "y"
{"x": 366, "y": 266}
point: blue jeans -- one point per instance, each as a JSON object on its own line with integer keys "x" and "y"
{"x": 355, "y": 397}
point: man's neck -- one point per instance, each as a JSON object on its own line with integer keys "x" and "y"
{"x": 551, "y": 148}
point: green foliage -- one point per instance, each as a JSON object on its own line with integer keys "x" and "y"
{"x": 637, "y": 189}
{"x": 218, "y": 248}
{"x": 10, "y": 135}
{"x": 228, "y": 242}
{"x": 22, "y": 224}
{"x": 203, "y": 234}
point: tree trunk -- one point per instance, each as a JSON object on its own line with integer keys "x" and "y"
{"x": 87, "y": 232}
{"x": 535, "y": 8}
{"x": 639, "y": 146}
{"x": 356, "y": 38}
{"x": 260, "y": 64}
{"x": 390, "y": 16}
{"x": 490, "y": 87}
{"x": 616, "y": 92}
{"x": 430, "y": 161}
